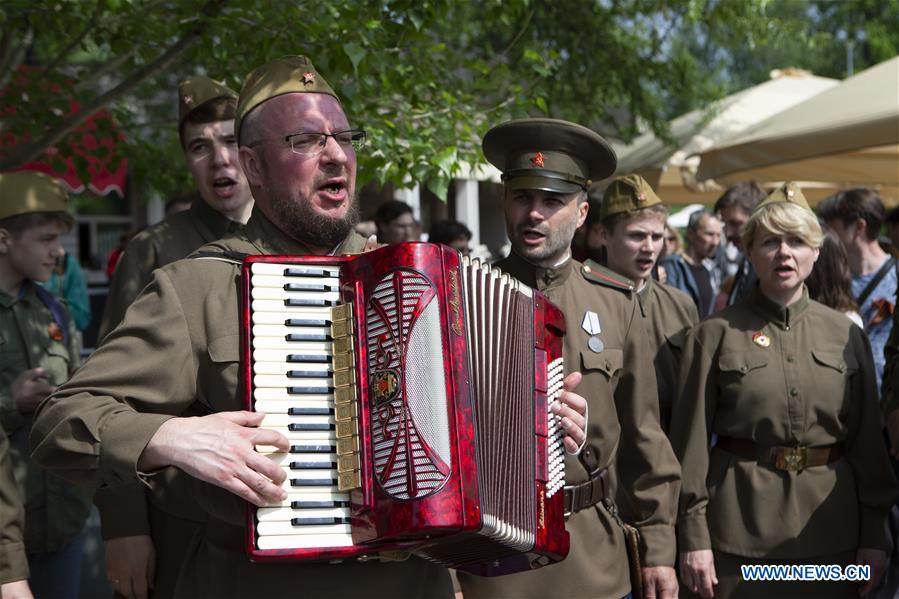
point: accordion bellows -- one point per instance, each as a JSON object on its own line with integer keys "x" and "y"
{"x": 415, "y": 388}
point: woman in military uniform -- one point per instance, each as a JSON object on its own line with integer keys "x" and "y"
{"x": 782, "y": 389}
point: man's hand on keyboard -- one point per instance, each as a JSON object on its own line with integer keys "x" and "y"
{"x": 220, "y": 449}
{"x": 573, "y": 410}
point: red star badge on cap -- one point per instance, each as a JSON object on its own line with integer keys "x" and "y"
{"x": 187, "y": 100}
{"x": 641, "y": 198}
{"x": 537, "y": 160}
{"x": 308, "y": 77}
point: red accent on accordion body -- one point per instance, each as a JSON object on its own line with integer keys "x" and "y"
{"x": 380, "y": 521}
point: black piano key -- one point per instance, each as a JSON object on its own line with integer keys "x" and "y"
{"x": 313, "y": 482}
{"x": 318, "y": 521}
{"x": 308, "y": 374}
{"x": 319, "y": 303}
{"x": 306, "y": 271}
{"x": 320, "y": 411}
{"x": 310, "y": 426}
{"x": 314, "y": 505}
{"x": 313, "y": 465}
{"x": 313, "y": 448}
{"x": 307, "y": 322}
{"x": 308, "y": 390}
{"x": 317, "y": 287}
{"x": 311, "y": 358}
{"x": 310, "y": 336}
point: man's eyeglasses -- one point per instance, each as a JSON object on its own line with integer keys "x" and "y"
{"x": 313, "y": 144}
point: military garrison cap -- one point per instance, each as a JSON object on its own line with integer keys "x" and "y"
{"x": 23, "y": 192}
{"x": 630, "y": 192}
{"x": 285, "y": 75}
{"x": 196, "y": 91}
{"x": 548, "y": 154}
{"x": 788, "y": 192}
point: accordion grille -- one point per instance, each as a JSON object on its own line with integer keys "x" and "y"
{"x": 410, "y": 424}
{"x": 501, "y": 340}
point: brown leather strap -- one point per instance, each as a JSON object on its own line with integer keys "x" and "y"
{"x": 591, "y": 492}
{"x": 791, "y": 459}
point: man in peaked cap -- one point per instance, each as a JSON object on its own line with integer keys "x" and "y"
{"x": 149, "y": 527}
{"x": 163, "y": 389}
{"x": 38, "y": 351}
{"x": 631, "y": 229}
{"x": 547, "y": 166}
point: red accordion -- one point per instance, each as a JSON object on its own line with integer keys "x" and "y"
{"x": 415, "y": 388}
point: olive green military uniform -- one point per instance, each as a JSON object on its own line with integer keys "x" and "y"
{"x": 174, "y": 238}
{"x": 763, "y": 377}
{"x": 168, "y": 511}
{"x": 13, "y": 563}
{"x": 178, "y": 350}
{"x": 667, "y": 313}
{"x": 622, "y": 430}
{"x": 55, "y": 509}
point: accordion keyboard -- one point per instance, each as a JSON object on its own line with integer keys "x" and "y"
{"x": 294, "y": 312}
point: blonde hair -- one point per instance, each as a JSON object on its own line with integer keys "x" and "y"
{"x": 783, "y": 218}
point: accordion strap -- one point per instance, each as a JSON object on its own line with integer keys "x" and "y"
{"x": 586, "y": 494}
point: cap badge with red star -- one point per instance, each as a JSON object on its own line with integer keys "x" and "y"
{"x": 537, "y": 160}
{"x": 308, "y": 77}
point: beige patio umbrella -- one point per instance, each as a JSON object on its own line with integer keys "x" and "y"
{"x": 847, "y": 135}
{"x": 671, "y": 169}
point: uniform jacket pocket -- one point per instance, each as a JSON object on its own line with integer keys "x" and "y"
{"x": 609, "y": 361}
{"x": 844, "y": 364}
{"x": 741, "y": 362}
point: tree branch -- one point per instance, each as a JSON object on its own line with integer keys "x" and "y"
{"x": 14, "y": 54}
{"x": 98, "y": 73}
{"x": 91, "y": 25}
{"x": 32, "y": 150}
{"x": 524, "y": 27}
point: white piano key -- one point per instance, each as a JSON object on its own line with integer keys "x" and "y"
{"x": 285, "y": 459}
{"x": 278, "y": 268}
{"x": 286, "y": 528}
{"x": 281, "y": 313}
{"x": 274, "y": 380}
{"x": 284, "y": 403}
{"x": 277, "y": 421}
{"x": 282, "y": 330}
{"x": 283, "y": 367}
{"x": 269, "y": 293}
{"x": 294, "y": 347}
{"x": 318, "y": 436}
{"x": 285, "y": 514}
{"x": 295, "y": 541}
{"x": 311, "y": 494}
{"x": 277, "y": 305}
{"x": 280, "y": 356}
{"x": 280, "y": 281}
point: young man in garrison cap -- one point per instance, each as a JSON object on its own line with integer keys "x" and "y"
{"x": 149, "y": 527}
{"x": 632, "y": 231}
{"x": 547, "y": 166}
{"x": 177, "y": 352}
{"x": 38, "y": 351}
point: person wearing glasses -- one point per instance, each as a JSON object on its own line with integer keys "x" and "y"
{"x": 164, "y": 387}
{"x": 147, "y": 528}
{"x": 778, "y": 431}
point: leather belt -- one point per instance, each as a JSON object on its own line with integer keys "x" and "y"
{"x": 583, "y": 495}
{"x": 789, "y": 459}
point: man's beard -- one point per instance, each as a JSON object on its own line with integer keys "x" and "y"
{"x": 298, "y": 219}
{"x": 555, "y": 244}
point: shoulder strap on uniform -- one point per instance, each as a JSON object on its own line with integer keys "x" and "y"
{"x": 597, "y": 273}
{"x": 223, "y": 256}
{"x": 57, "y": 309}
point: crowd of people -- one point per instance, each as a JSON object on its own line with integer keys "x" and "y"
{"x": 722, "y": 401}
